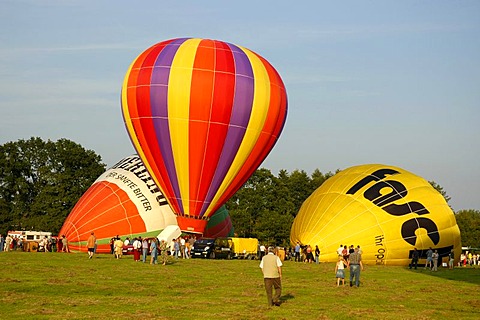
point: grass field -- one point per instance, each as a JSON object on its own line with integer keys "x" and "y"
{"x": 70, "y": 286}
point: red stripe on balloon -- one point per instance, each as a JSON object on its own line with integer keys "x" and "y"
{"x": 223, "y": 96}
{"x": 202, "y": 86}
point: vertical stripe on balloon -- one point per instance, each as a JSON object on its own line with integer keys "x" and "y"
{"x": 178, "y": 114}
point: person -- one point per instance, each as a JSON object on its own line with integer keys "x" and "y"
{"x": 429, "y": 262}
{"x": 118, "y": 248}
{"x": 271, "y": 266}
{"x": 54, "y": 244}
{"x": 8, "y": 241}
{"x": 297, "y": 252}
{"x": 340, "y": 250}
{"x": 153, "y": 251}
{"x": 414, "y": 261}
{"x": 177, "y": 248}
{"x": 182, "y": 247}
{"x": 317, "y": 255}
{"x": 435, "y": 260}
{"x": 65, "y": 244}
{"x": 137, "y": 248}
{"x": 163, "y": 252}
{"x": 340, "y": 271}
{"x": 59, "y": 244}
{"x": 450, "y": 260}
{"x": 43, "y": 245}
{"x": 309, "y": 254}
{"x": 262, "y": 251}
{"x": 359, "y": 249}
{"x": 345, "y": 253}
{"x": 144, "y": 250}
{"x": 112, "y": 245}
{"x": 355, "y": 264}
{"x": 91, "y": 245}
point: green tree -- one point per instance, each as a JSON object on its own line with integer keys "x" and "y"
{"x": 439, "y": 188}
{"x": 469, "y": 224}
{"x": 40, "y": 182}
{"x": 318, "y": 178}
{"x": 266, "y": 205}
{"x": 247, "y": 203}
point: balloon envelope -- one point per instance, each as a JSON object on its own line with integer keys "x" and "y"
{"x": 203, "y": 115}
{"x": 122, "y": 201}
{"x": 386, "y": 210}
{"x": 219, "y": 225}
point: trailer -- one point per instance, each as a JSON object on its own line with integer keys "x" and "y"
{"x": 245, "y": 248}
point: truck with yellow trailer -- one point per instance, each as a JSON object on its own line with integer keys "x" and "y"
{"x": 239, "y": 248}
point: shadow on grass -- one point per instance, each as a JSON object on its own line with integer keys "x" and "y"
{"x": 465, "y": 274}
{"x": 285, "y": 298}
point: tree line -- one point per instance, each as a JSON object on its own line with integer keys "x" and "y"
{"x": 40, "y": 182}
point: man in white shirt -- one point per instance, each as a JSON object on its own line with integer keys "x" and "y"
{"x": 271, "y": 266}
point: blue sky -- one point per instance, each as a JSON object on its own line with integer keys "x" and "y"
{"x": 392, "y": 82}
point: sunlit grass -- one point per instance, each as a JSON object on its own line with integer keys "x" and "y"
{"x": 69, "y": 286}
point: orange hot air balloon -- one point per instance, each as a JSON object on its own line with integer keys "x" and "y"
{"x": 122, "y": 201}
{"x": 202, "y": 115}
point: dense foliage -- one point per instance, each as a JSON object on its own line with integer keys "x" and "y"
{"x": 266, "y": 205}
{"x": 469, "y": 223}
{"x": 40, "y": 182}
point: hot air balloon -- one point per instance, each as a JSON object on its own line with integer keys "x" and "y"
{"x": 125, "y": 201}
{"x": 202, "y": 115}
{"x": 219, "y": 225}
{"x": 122, "y": 201}
{"x": 386, "y": 210}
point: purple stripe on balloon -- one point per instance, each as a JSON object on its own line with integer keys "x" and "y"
{"x": 159, "y": 109}
{"x": 241, "y": 111}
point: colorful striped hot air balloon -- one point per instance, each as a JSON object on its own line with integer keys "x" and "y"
{"x": 203, "y": 115}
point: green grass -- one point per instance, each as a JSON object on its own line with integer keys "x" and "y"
{"x": 69, "y": 286}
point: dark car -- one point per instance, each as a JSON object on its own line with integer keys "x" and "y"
{"x": 203, "y": 248}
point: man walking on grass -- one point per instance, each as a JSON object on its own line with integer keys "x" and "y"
{"x": 271, "y": 266}
{"x": 91, "y": 245}
{"x": 355, "y": 264}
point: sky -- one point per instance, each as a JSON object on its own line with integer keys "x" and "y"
{"x": 390, "y": 82}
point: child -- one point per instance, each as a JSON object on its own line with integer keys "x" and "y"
{"x": 340, "y": 270}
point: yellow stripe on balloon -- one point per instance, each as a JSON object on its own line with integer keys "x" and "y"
{"x": 179, "y": 85}
{"x": 129, "y": 121}
{"x": 259, "y": 112}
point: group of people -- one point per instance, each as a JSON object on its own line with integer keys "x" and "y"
{"x": 271, "y": 266}
{"x": 305, "y": 253}
{"x": 432, "y": 260}
{"x": 469, "y": 258}
{"x": 178, "y": 248}
{"x": 350, "y": 258}
{"x": 46, "y": 244}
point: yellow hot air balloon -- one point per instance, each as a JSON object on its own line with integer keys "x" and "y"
{"x": 385, "y": 210}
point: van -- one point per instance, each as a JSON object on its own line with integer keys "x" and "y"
{"x": 203, "y": 248}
